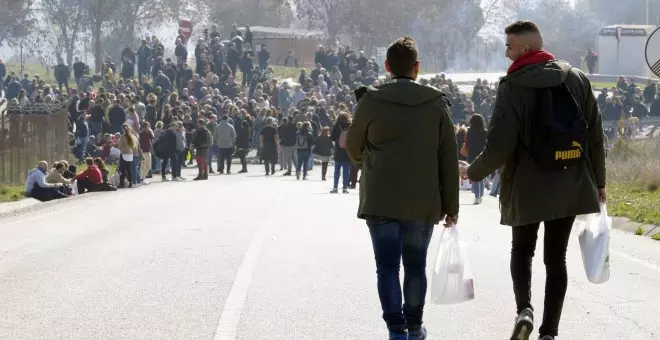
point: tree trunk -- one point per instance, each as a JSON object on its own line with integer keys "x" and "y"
{"x": 96, "y": 36}
{"x": 68, "y": 48}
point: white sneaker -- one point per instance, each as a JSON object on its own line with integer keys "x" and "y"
{"x": 180, "y": 178}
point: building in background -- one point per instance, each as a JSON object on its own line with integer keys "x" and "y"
{"x": 622, "y": 50}
{"x": 280, "y": 40}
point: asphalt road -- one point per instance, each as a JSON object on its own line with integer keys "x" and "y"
{"x": 251, "y": 257}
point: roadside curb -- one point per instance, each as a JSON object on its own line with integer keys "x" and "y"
{"x": 627, "y": 225}
{"x": 11, "y": 207}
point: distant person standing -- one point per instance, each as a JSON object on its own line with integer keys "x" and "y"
{"x": 591, "y": 60}
{"x": 403, "y": 139}
{"x": 546, "y": 135}
{"x": 62, "y": 73}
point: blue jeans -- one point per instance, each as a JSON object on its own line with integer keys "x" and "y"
{"x": 342, "y": 168}
{"x": 495, "y": 189}
{"x": 478, "y": 189}
{"x": 303, "y": 161}
{"x": 135, "y": 169}
{"x": 155, "y": 164}
{"x": 81, "y": 147}
{"x": 393, "y": 241}
{"x": 310, "y": 162}
{"x": 213, "y": 151}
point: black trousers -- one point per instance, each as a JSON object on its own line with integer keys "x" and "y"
{"x": 241, "y": 155}
{"x": 557, "y": 234}
{"x": 125, "y": 170}
{"x": 225, "y": 158}
{"x": 85, "y": 185}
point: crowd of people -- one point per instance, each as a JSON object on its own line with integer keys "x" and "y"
{"x": 166, "y": 112}
{"x": 153, "y": 128}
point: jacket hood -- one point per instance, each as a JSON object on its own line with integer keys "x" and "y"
{"x": 542, "y": 75}
{"x": 405, "y": 93}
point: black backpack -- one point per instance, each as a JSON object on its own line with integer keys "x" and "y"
{"x": 558, "y": 130}
{"x": 159, "y": 146}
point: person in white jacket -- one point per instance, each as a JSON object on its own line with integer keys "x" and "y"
{"x": 37, "y": 187}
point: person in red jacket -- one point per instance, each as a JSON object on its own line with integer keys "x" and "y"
{"x": 89, "y": 179}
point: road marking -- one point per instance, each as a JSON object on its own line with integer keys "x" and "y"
{"x": 231, "y": 313}
{"x": 636, "y": 260}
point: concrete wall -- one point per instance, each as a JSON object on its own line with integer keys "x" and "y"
{"x": 631, "y": 58}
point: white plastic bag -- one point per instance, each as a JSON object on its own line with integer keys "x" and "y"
{"x": 452, "y": 280}
{"x": 74, "y": 188}
{"x": 594, "y": 236}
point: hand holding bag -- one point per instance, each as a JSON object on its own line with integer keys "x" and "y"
{"x": 594, "y": 237}
{"x": 452, "y": 281}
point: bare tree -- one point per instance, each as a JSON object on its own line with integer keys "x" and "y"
{"x": 68, "y": 16}
{"x": 332, "y": 16}
{"x": 15, "y": 19}
{"x": 99, "y": 13}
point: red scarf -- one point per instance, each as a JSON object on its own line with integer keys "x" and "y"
{"x": 530, "y": 58}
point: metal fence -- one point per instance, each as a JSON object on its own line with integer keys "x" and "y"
{"x": 25, "y": 139}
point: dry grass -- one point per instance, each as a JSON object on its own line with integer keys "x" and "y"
{"x": 636, "y": 163}
{"x": 282, "y": 72}
{"x": 633, "y": 171}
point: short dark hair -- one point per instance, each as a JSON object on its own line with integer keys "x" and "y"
{"x": 522, "y": 27}
{"x": 402, "y": 55}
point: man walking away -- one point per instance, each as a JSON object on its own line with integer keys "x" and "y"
{"x": 404, "y": 121}
{"x": 547, "y": 134}
{"x": 224, "y": 138}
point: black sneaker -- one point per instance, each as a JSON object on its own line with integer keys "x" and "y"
{"x": 418, "y": 334}
{"x": 524, "y": 325}
{"x": 547, "y": 337}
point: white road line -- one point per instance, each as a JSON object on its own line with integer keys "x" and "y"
{"x": 636, "y": 260}
{"x": 231, "y": 313}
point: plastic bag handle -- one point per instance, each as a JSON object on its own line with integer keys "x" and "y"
{"x": 603, "y": 209}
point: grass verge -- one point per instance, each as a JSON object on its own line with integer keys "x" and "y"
{"x": 635, "y": 203}
{"x": 282, "y": 72}
{"x": 597, "y": 85}
{"x": 11, "y": 193}
{"x": 634, "y": 181}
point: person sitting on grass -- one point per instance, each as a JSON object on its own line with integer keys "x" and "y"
{"x": 56, "y": 176}
{"x": 37, "y": 187}
{"x": 105, "y": 184}
{"x": 90, "y": 178}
